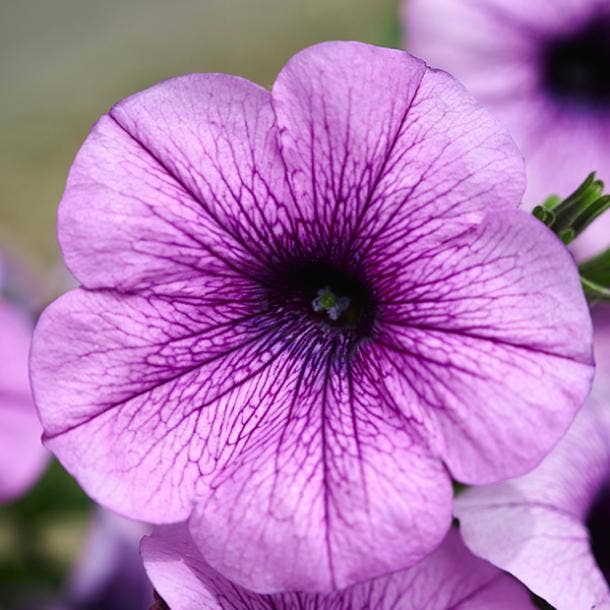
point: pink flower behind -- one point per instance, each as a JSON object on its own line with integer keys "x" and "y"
{"x": 301, "y": 311}
{"x": 22, "y": 455}
{"x": 542, "y": 67}
{"x": 449, "y": 578}
{"x": 109, "y": 574}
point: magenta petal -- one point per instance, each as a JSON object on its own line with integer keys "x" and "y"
{"x": 175, "y": 186}
{"x": 534, "y": 526}
{"x": 148, "y": 396}
{"x": 302, "y": 463}
{"x": 414, "y": 152}
{"x": 495, "y": 360}
{"x": 449, "y": 578}
{"x": 341, "y": 492}
{"x": 22, "y": 456}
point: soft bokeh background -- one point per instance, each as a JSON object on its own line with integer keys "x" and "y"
{"x": 62, "y": 64}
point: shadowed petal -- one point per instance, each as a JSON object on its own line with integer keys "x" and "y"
{"x": 450, "y": 578}
{"x": 22, "y": 456}
{"x": 175, "y": 186}
{"x": 183, "y": 578}
{"x": 108, "y": 574}
{"x": 534, "y": 526}
{"x": 416, "y": 150}
{"x": 600, "y": 314}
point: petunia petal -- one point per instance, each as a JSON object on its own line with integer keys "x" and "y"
{"x": 495, "y": 359}
{"x": 345, "y": 492}
{"x": 183, "y": 578}
{"x": 450, "y": 577}
{"x": 416, "y": 150}
{"x": 493, "y": 47}
{"x": 471, "y": 38}
{"x": 533, "y": 526}
{"x": 300, "y": 471}
{"x": 22, "y": 456}
{"x": 284, "y": 449}
{"x": 157, "y": 385}
{"x": 176, "y": 185}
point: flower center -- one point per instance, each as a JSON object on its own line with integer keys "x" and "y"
{"x": 598, "y": 523}
{"x": 576, "y": 68}
{"x": 327, "y": 294}
{"x": 329, "y": 302}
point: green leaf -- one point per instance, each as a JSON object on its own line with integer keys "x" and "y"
{"x": 595, "y": 276}
{"x": 597, "y": 268}
{"x": 590, "y": 212}
{"x": 569, "y": 217}
{"x": 547, "y": 217}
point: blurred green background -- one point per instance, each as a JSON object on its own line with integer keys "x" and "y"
{"x": 65, "y": 62}
{"x": 62, "y": 64}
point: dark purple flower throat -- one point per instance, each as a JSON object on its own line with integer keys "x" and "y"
{"x": 576, "y": 68}
{"x": 598, "y": 523}
{"x": 325, "y": 293}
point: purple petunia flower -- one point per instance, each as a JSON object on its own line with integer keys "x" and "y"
{"x": 542, "y": 66}
{"x": 301, "y": 310}
{"x": 551, "y": 528}
{"x": 449, "y": 578}
{"x": 22, "y": 455}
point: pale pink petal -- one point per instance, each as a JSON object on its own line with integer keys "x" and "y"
{"x": 176, "y": 186}
{"x": 534, "y": 526}
{"x": 496, "y": 47}
{"x": 22, "y": 456}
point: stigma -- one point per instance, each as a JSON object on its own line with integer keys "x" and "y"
{"x": 327, "y": 301}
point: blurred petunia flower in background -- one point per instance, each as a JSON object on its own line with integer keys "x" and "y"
{"x": 551, "y": 528}
{"x": 542, "y": 67}
{"x": 22, "y": 455}
{"x": 450, "y": 577}
{"x": 302, "y": 312}
{"x": 109, "y": 574}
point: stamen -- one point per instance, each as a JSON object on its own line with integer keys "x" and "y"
{"x": 328, "y": 301}
{"x": 325, "y": 293}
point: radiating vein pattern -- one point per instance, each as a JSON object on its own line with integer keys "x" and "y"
{"x": 301, "y": 311}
